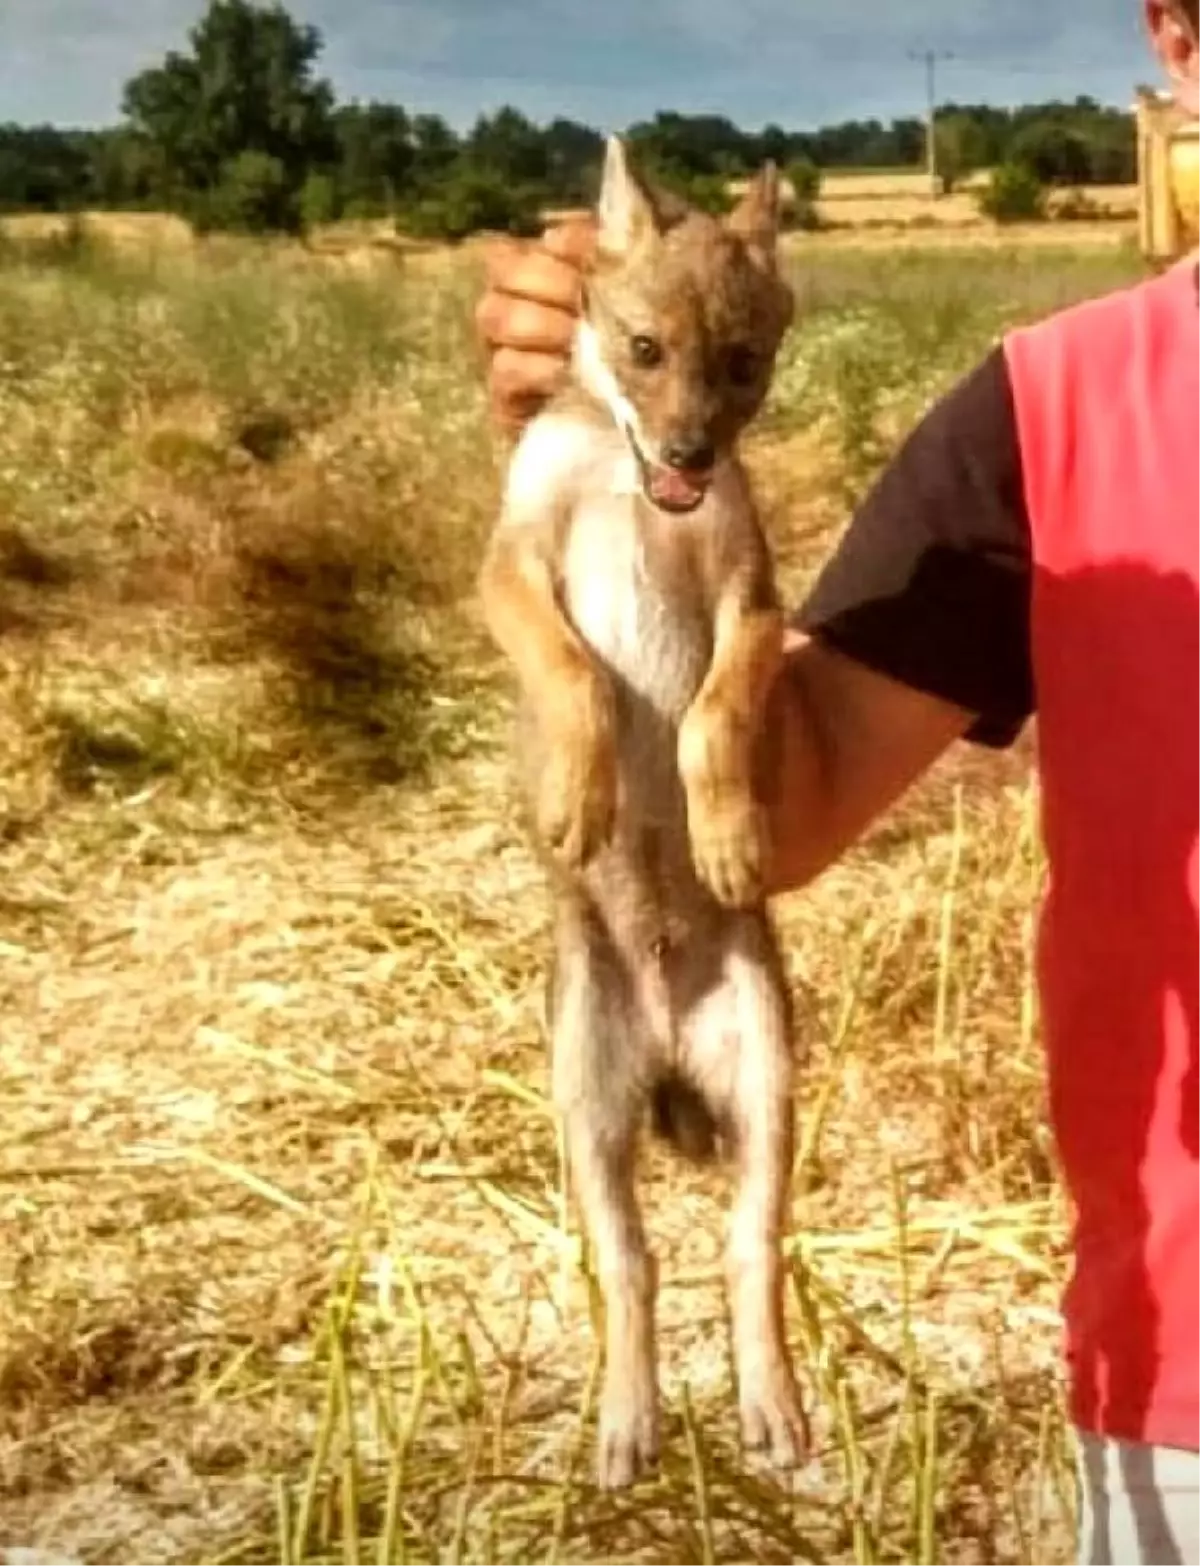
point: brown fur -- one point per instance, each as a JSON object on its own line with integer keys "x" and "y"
{"x": 645, "y": 644}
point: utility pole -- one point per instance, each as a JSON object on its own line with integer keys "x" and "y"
{"x": 930, "y": 57}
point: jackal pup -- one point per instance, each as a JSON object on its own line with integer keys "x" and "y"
{"x": 629, "y": 583}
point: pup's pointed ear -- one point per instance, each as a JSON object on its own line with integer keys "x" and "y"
{"x": 625, "y": 211}
{"x": 756, "y": 216}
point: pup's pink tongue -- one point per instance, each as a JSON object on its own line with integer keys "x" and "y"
{"x": 676, "y": 489}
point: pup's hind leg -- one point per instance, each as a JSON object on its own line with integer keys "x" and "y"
{"x": 599, "y": 1093}
{"x": 743, "y": 1048}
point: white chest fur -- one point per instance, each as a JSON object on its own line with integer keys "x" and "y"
{"x": 628, "y": 575}
{"x": 632, "y": 590}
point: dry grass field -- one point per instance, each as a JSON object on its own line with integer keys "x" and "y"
{"x": 892, "y": 201}
{"x": 287, "y": 1275}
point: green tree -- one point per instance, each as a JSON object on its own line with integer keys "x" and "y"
{"x": 804, "y": 177}
{"x": 318, "y": 201}
{"x": 508, "y": 145}
{"x": 961, "y": 147}
{"x": 252, "y": 195}
{"x": 687, "y": 145}
{"x": 246, "y": 85}
{"x": 376, "y": 156}
{"x": 435, "y": 149}
{"x": 471, "y": 199}
{"x": 43, "y": 168}
{"x": 125, "y": 171}
{"x": 776, "y": 144}
{"x": 708, "y": 193}
{"x": 1013, "y": 194}
{"x": 246, "y": 82}
{"x": 574, "y": 154}
{"x": 1058, "y": 153}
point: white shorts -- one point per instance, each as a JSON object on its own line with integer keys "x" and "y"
{"x": 1139, "y": 1505}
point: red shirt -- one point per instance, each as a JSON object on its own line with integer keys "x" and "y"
{"x": 1107, "y": 399}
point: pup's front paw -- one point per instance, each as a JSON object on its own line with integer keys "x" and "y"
{"x": 729, "y": 849}
{"x": 577, "y": 792}
{"x": 727, "y": 827}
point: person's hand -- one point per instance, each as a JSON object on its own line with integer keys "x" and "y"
{"x": 526, "y": 317}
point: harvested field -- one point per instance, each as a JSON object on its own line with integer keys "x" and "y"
{"x": 898, "y": 201}
{"x": 288, "y": 1275}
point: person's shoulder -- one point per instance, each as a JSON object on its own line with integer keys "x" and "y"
{"x": 1110, "y": 315}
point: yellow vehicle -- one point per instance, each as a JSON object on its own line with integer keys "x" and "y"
{"x": 1168, "y": 177}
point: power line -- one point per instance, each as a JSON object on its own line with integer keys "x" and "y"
{"x": 930, "y": 58}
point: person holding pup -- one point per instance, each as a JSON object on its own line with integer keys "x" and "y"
{"x": 1032, "y": 548}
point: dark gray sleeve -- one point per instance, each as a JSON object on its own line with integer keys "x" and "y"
{"x": 930, "y": 583}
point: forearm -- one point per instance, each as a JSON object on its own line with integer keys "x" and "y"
{"x": 846, "y": 743}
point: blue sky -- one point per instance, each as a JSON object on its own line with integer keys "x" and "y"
{"x": 797, "y": 62}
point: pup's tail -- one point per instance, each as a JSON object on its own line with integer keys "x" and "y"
{"x": 680, "y": 1115}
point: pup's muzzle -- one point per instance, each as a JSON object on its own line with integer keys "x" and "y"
{"x": 681, "y": 480}
{"x": 675, "y": 489}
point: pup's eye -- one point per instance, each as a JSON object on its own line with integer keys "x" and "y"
{"x": 741, "y": 365}
{"x": 646, "y": 351}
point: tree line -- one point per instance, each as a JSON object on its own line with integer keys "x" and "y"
{"x": 238, "y": 130}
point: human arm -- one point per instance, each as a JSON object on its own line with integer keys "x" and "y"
{"x": 915, "y": 634}
{"x": 850, "y": 742}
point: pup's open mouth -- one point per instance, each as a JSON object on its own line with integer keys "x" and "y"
{"x": 675, "y": 489}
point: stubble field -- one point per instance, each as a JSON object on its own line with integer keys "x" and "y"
{"x": 287, "y": 1274}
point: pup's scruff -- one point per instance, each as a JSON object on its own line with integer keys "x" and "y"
{"x": 630, "y": 585}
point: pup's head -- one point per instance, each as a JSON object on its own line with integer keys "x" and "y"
{"x": 684, "y": 314}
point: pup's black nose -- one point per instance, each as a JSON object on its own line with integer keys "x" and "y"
{"x": 692, "y": 454}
